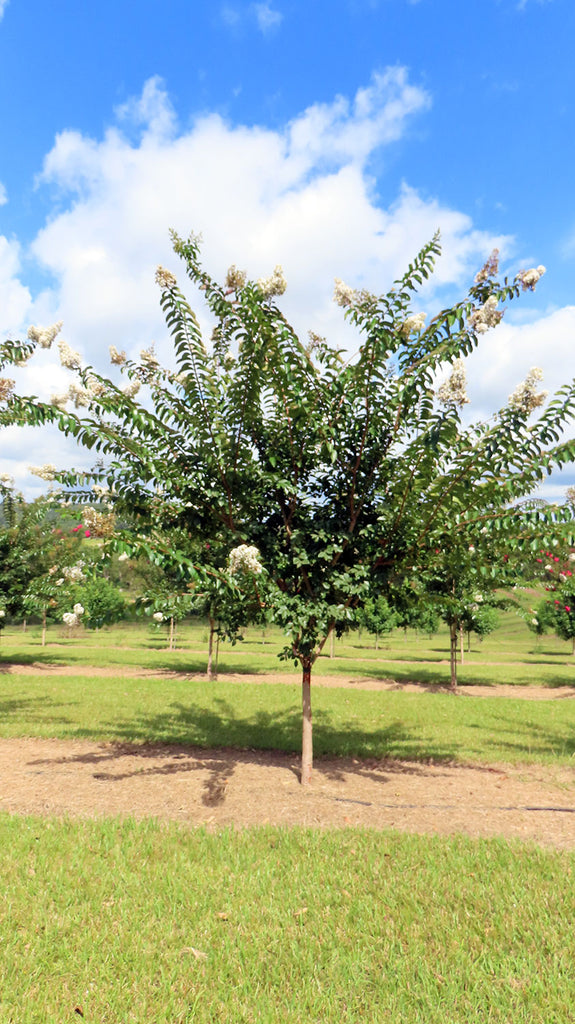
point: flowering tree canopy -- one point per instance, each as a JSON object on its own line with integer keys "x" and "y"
{"x": 342, "y": 472}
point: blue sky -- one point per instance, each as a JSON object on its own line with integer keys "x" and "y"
{"x": 333, "y": 138}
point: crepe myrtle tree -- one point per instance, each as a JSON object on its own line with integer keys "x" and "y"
{"x": 342, "y": 471}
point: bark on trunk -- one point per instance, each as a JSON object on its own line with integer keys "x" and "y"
{"x": 44, "y": 615}
{"x": 211, "y": 674}
{"x": 453, "y": 655}
{"x": 307, "y": 733}
{"x": 461, "y": 644}
{"x": 332, "y": 644}
{"x": 171, "y": 639}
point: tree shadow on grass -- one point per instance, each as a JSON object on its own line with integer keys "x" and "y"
{"x": 33, "y": 710}
{"x": 529, "y": 737}
{"x": 191, "y": 724}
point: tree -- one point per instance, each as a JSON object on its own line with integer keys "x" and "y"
{"x": 343, "y": 473}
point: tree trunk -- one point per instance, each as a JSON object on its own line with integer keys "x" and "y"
{"x": 461, "y": 644}
{"x": 453, "y": 655}
{"x": 24, "y": 625}
{"x": 332, "y": 644}
{"x": 307, "y": 733}
{"x": 44, "y": 616}
{"x": 211, "y": 674}
{"x": 171, "y": 637}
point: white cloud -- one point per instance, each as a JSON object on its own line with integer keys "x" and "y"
{"x": 267, "y": 19}
{"x": 301, "y": 196}
{"x": 3, "y": 6}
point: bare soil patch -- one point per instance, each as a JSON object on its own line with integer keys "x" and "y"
{"x": 294, "y": 678}
{"x": 221, "y": 788}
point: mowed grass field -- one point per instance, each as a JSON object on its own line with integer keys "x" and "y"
{"x": 148, "y": 923}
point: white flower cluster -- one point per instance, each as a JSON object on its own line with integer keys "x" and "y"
{"x": 70, "y": 620}
{"x": 453, "y": 390}
{"x": 60, "y": 401}
{"x": 131, "y": 389}
{"x": 96, "y": 387}
{"x": 44, "y": 336}
{"x": 79, "y": 396}
{"x": 165, "y": 279}
{"x": 572, "y": 556}
{"x": 6, "y": 388}
{"x": 275, "y": 284}
{"x": 100, "y": 490}
{"x": 529, "y": 278}
{"x": 6, "y": 479}
{"x": 117, "y": 358}
{"x": 244, "y": 558}
{"x": 47, "y": 472}
{"x": 343, "y": 294}
{"x": 235, "y": 278}
{"x": 486, "y": 316}
{"x": 526, "y": 398}
{"x": 148, "y": 357}
{"x": 70, "y": 359}
{"x": 413, "y": 324}
{"x": 489, "y": 268}
{"x": 2, "y": 613}
{"x": 123, "y": 557}
{"x": 74, "y": 573}
{"x": 78, "y": 610}
{"x": 158, "y": 617}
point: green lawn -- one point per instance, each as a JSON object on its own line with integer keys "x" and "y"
{"x": 149, "y": 924}
{"x": 119, "y": 922}
{"x": 363, "y": 723}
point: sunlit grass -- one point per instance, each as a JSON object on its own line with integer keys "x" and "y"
{"x": 362, "y": 723}
{"x": 155, "y": 924}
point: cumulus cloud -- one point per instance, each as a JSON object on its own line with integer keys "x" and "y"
{"x": 267, "y": 18}
{"x": 3, "y": 6}
{"x": 302, "y": 196}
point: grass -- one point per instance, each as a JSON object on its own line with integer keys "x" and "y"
{"x": 119, "y": 922}
{"x": 362, "y": 723}
{"x": 510, "y": 654}
{"x": 150, "y": 924}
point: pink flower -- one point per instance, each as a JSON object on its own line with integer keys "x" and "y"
{"x": 76, "y": 528}
{"x": 567, "y": 608}
{"x": 86, "y": 533}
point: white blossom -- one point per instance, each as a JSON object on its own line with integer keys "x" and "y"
{"x": 2, "y": 613}
{"x": 486, "y": 316}
{"x": 572, "y": 556}
{"x": 60, "y": 582}
{"x": 60, "y": 401}
{"x": 414, "y": 324}
{"x": 6, "y": 388}
{"x": 235, "y": 278}
{"x": 158, "y": 617}
{"x": 44, "y": 336}
{"x": 149, "y": 358}
{"x": 534, "y": 622}
{"x": 165, "y": 279}
{"x": 489, "y": 268}
{"x": 131, "y": 390}
{"x": 47, "y": 472}
{"x": 78, "y": 610}
{"x": 548, "y": 568}
{"x": 453, "y": 390}
{"x": 74, "y": 573}
{"x": 526, "y": 398}
{"x": 343, "y": 294}
{"x": 96, "y": 387}
{"x": 6, "y": 479}
{"x": 529, "y": 278}
{"x": 244, "y": 558}
{"x": 562, "y": 577}
{"x": 70, "y": 359}
{"x": 79, "y": 395}
{"x": 275, "y": 284}
{"x": 70, "y": 619}
{"x": 123, "y": 557}
{"x": 100, "y": 490}
{"x": 117, "y": 358}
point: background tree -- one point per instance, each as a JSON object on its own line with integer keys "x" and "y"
{"x": 343, "y": 473}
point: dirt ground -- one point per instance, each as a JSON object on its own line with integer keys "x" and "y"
{"x": 229, "y": 787}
